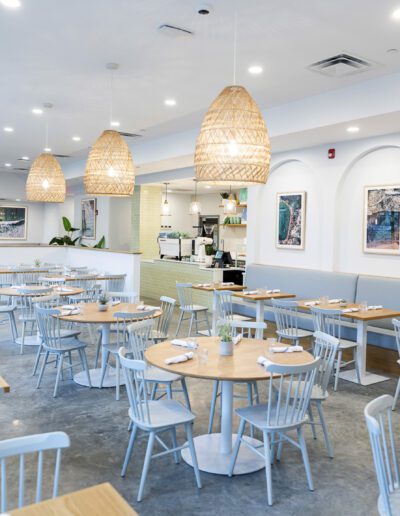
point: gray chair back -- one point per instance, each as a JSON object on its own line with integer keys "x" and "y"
{"x": 163, "y": 322}
{"x": 248, "y": 329}
{"x": 124, "y": 319}
{"x": 49, "y": 327}
{"x": 286, "y": 316}
{"x": 327, "y": 320}
{"x": 124, "y": 297}
{"x": 325, "y": 347}
{"x": 224, "y": 304}
{"x": 115, "y": 282}
{"x": 25, "y": 300}
{"x": 140, "y": 337}
{"x": 185, "y": 295}
{"x": 396, "y": 324}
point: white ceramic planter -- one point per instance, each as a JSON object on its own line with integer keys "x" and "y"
{"x": 102, "y": 308}
{"x": 208, "y": 261}
{"x": 225, "y": 348}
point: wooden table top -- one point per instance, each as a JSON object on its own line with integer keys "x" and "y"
{"x": 72, "y": 291}
{"x": 4, "y": 387}
{"x": 264, "y": 296}
{"x": 369, "y": 315}
{"x": 218, "y": 286}
{"x": 92, "y": 315}
{"x": 241, "y": 366}
{"x": 16, "y": 271}
{"x": 100, "y": 500}
{"x": 100, "y": 277}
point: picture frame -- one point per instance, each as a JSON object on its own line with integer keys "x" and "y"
{"x": 381, "y": 219}
{"x": 13, "y": 222}
{"x": 290, "y": 220}
{"x": 88, "y": 218}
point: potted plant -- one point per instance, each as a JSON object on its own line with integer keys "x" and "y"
{"x": 209, "y": 249}
{"x": 37, "y": 263}
{"x": 224, "y": 197}
{"x": 102, "y": 302}
{"x": 225, "y": 343}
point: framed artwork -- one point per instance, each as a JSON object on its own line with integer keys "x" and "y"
{"x": 13, "y": 222}
{"x": 290, "y": 220}
{"x": 88, "y": 218}
{"x": 382, "y": 219}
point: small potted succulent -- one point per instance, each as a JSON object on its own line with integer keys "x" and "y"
{"x": 102, "y": 302}
{"x": 37, "y": 263}
{"x": 225, "y": 343}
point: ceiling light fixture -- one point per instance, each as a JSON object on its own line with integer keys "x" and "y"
{"x": 230, "y": 204}
{"x": 165, "y": 207}
{"x": 13, "y": 4}
{"x": 109, "y": 168}
{"x": 46, "y": 181}
{"x": 255, "y": 69}
{"x": 233, "y": 145}
{"x": 18, "y": 200}
{"x": 115, "y": 123}
{"x": 396, "y": 14}
{"x": 76, "y": 138}
{"x": 8, "y": 165}
{"x": 25, "y": 158}
{"x": 37, "y": 111}
{"x": 170, "y": 102}
{"x": 8, "y": 129}
{"x": 207, "y": 186}
{"x": 195, "y": 206}
{"x": 353, "y": 129}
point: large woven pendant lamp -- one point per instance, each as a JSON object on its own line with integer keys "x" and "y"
{"x": 45, "y": 182}
{"x": 109, "y": 168}
{"x": 233, "y": 145}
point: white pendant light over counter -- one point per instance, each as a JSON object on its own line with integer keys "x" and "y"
{"x": 195, "y": 206}
{"x": 109, "y": 168}
{"x": 165, "y": 207}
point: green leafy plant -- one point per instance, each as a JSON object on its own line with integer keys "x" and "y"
{"x": 227, "y": 220}
{"x": 209, "y": 249}
{"x": 224, "y": 195}
{"x": 103, "y": 299}
{"x": 225, "y": 333}
{"x": 69, "y": 240}
{"x": 178, "y": 234}
{"x": 37, "y": 263}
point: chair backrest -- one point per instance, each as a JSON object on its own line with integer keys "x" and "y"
{"x": 49, "y": 301}
{"x": 29, "y": 277}
{"x": 49, "y": 327}
{"x": 163, "y": 323}
{"x": 286, "y": 316}
{"x": 248, "y": 329}
{"x": 325, "y": 347}
{"x": 115, "y": 282}
{"x": 22, "y": 446}
{"x": 140, "y": 337}
{"x": 378, "y": 415}
{"x": 85, "y": 281}
{"x": 124, "y": 297}
{"x": 289, "y": 394}
{"x": 25, "y": 300}
{"x": 134, "y": 372}
{"x": 185, "y": 295}
{"x": 7, "y": 279}
{"x": 124, "y": 319}
{"x": 224, "y": 304}
{"x": 327, "y": 320}
{"x": 396, "y": 324}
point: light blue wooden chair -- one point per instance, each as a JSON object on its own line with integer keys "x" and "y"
{"x": 160, "y": 332}
{"x": 21, "y": 447}
{"x": 187, "y": 307}
{"x": 378, "y": 416}
{"x": 287, "y": 321}
{"x": 225, "y": 306}
{"x": 396, "y": 324}
{"x": 153, "y": 418}
{"x": 286, "y": 410}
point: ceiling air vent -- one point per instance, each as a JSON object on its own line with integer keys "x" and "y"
{"x": 129, "y": 135}
{"x": 61, "y": 156}
{"x": 341, "y": 65}
{"x": 174, "y": 32}
{"x": 19, "y": 169}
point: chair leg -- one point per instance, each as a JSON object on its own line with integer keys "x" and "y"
{"x": 86, "y": 366}
{"x": 304, "y": 453}
{"x": 191, "y": 324}
{"x": 98, "y": 347}
{"x": 213, "y": 403}
{"x": 208, "y": 325}
{"x": 185, "y": 393}
{"x": 235, "y": 450}
{"x": 153, "y": 391}
{"x": 21, "y": 349}
{"x": 250, "y": 401}
{"x": 196, "y": 324}
{"x": 46, "y": 356}
{"x": 177, "y": 454}
{"x": 338, "y": 364}
{"x": 37, "y": 359}
{"x": 129, "y": 450}
{"x": 189, "y": 434}
{"x": 59, "y": 369}
{"x": 104, "y": 361}
{"x": 268, "y": 472}
{"x": 146, "y": 465}
{"x": 179, "y": 324}
{"x": 355, "y": 351}
{"x": 169, "y": 390}
{"x": 325, "y": 429}
{"x": 117, "y": 377}
{"x": 256, "y": 395}
{"x": 310, "y": 415}
{"x": 396, "y": 395}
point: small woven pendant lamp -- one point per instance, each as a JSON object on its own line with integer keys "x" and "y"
{"x": 45, "y": 182}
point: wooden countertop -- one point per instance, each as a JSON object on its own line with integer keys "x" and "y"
{"x": 74, "y": 247}
{"x": 264, "y": 297}
{"x": 368, "y": 315}
{"x": 91, "y": 314}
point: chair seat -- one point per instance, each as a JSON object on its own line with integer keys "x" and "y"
{"x": 158, "y": 335}
{"x": 394, "y": 503}
{"x": 66, "y": 345}
{"x": 257, "y": 415}
{"x": 347, "y": 344}
{"x": 316, "y": 393}
{"x": 27, "y": 319}
{"x": 67, "y": 334}
{"x": 154, "y": 374}
{"x": 6, "y": 309}
{"x": 194, "y": 308}
{"x": 237, "y": 317}
{"x": 164, "y": 413}
{"x": 294, "y": 334}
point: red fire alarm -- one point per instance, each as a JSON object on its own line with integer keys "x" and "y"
{"x": 331, "y": 153}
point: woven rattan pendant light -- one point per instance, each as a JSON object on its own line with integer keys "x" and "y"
{"x": 45, "y": 182}
{"x": 233, "y": 145}
{"x": 109, "y": 168}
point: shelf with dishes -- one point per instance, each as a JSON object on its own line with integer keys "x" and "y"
{"x": 233, "y": 225}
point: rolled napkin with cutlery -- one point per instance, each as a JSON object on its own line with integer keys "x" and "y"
{"x": 286, "y": 349}
{"x": 115, "y": 302}
{"x": 375, "y": 307}
{"x": 263, "y": 361}
{"x": 180, "y": 358}
{"x": 334, "y": 301}
{"x": 273, "y": 291}
{"x": 237, "y": 339}
{"x": 72, "y": 311}
{"x": 227, "y": 283}
{"x": 184, "y": 343}
{"x": 64, "y": 289}
{"x": 349, "y": 310}
{"x": 205, "y": 285}
{"x": 250, "y": 292}
{"x": 311, "y": 303}
{"x": 147, "y": 307}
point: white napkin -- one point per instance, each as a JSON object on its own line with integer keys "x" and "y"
{"x": 349, "y": 310}
{"x": 73, "y": 311}
{"x": 18, "y": 286}
{"x": 237, "y": 339}
{"x": 375, "y": 307}
{"x": 115, "y": 302}
{"x": 250, "y": 292}
{"x": 64, "y": 289}
{"x": 286, "y": 349}
{"x": 204, "y": 284}
{"x": 180, "y": 358}
{"x": 185, "y": 344}
{"x": 311, "y": 303}
{"x": 273, "y": 291}
{"x": 263, "y": 361}
{"x": 147, "y": 307}
{"x": 334, "y": 301}
{"x": 227, "y": 283}
{"x": 68, "y": 307}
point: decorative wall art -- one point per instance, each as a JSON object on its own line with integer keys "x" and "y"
{"x": 88, "y": 210}
{"x": 13, "y": 222}
{"x": 290, "y": 220}
{"x": 382, "y": 219}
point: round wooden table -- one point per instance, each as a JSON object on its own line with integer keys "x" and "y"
{"x": 214, "y": 450}
{"x": 90, "y": 314}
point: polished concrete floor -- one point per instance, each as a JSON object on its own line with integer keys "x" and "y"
{"x": 97, "y": 426}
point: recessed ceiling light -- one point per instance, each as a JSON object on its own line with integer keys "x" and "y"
{"x": 7, "y": 165}
{"x": 11, "y": 3}
{"x": 207, "y": 186}
{"x": 37, "y": 111}
{"x": 169, "y": 191}
{"x": 8, "y": 129}
{"x": 76, "y": 138}
{"x": 170, "y": 102}
{"x": 25, "y": 158}
{"x": 396, "y": 14}
{"x": 18, "y": 200}
{"x": 47, "y": 149}
{"x": 115, "y": 123}
{"x": 353, "y": 129}
{"x": 255, "y": 69}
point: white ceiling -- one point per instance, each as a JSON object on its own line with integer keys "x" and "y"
{"x": 55, "y": 51}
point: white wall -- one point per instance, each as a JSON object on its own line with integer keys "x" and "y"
{"x": 180, "y": 219}
{"x": 334, "y": 216}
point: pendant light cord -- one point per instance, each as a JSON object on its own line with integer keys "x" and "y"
{"x": 234, "y": 44}
{"x": 111, "y": 95}
{"x": 47, "y": 131}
